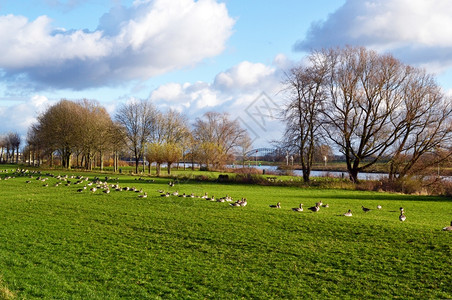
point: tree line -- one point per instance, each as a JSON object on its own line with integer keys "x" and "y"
{"x": 9, "y": 148}
{"x": 369, "y": 107}
{"x": 83, "y": 134}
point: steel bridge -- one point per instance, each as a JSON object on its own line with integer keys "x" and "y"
{"x": 262, "y": 152}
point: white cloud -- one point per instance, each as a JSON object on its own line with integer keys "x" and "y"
{"x": 417, "y": 31}
{"x": 243, "y": 76}
{"x": 21, "y": 115}
{"x": 241, "y": 91}
{"x": 192, "y": 99}
{"x": 147, "y": 39}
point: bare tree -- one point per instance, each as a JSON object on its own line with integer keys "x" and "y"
{"x": 306, "y": 87}
{"x": 427, "y": 118}
{"x": 244, "y": 147}
{"x": 138, "y": 120}
{"x": 364, "y": 96}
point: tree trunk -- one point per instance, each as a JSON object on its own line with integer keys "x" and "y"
{"x": 158, "y": 169}
{"x": 169, "y": 169}
{"x": 101, "y": 157}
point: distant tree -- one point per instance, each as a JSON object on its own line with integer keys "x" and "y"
{"x": 117, "y": 140}
{"x": 56, "y": 130}
{"x": 155, "y": 152}
{"x": 2, "y": 148}
{"x": 138, "y": 120}
{"x": 172, "y": 153}
{"x": 306, "y": 87}
{"x": 171, "y": 133}
{"x": 14, "y": 144}
{"x": 216, "y": 133}
{"x": 244, "y": 146}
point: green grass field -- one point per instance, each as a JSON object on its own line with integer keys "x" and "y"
{"x": 58, "y": 243}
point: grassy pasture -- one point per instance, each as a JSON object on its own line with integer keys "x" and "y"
{"x": 58, "y": 243}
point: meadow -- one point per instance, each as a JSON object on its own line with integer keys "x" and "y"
{"x": 57, "y": 243}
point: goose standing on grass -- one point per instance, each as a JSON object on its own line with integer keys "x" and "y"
{"x": 448, "y": 228}
{"x": 402, "y": 217}
{"x": 349, "y": 213}
{"x": 365, "y": 209}
{"x": 278, "y": 205}
{"x": 299, "y": 208}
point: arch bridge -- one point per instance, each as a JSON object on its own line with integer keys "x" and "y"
{"x": 263, "y": 152}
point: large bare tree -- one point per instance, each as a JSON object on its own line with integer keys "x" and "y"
{"x": 306, "y": 89}
{"x": 426, "y": 114}
{"x": 138, "y": 120}
{"x": 364, "y": 96}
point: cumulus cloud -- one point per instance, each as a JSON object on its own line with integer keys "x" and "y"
{"x": 138, "y": 42}
{"x": 22, "y": 114}
{"x": 417, "y": 31}
{"x": 244, "y": 76}
{"x": 251, "y": 96}
{"x": 247, "y": 91}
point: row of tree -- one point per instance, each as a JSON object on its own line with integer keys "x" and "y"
{"x": 83, "y": 131}
{"x": 9, "y": 148}
{"x": 368, "y": 107}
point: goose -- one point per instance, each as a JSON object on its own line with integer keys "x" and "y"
{"x": 326, "y": 205}
{"x": 402, "y": 217}
{"x": 402, "y": 210}
{"x": 234, "y": 204}
{"x": 349, "y": 213}
{"x": 107, "y": 191}
{"x": 145, "y": 195}
{"x": 448, "y": 228}
{"x": 300, "y": 208}
{"x": 80, "y": 190}
{"x": 378, "y": 206}
{"x": 315, "y": 208}
{"x": 278, "y": 205}
{"x": 165, "y": 195}
{"x": 243, "y": 202}
{"x": 365, "y": 209}
{"x": 93, "y": 189}
{"x": 319, "y": 204}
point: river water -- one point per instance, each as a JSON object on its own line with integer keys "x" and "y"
{"x": 361, "y": 176}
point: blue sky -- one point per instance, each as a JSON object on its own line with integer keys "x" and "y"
{"x": 196, "y": 56}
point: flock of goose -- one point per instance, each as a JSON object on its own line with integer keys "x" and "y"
{"x": 97, "y": 184}
{"x": 242, "y": 202}
{"x": 88, "y": 185}
{"x": 318, "y": 205}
